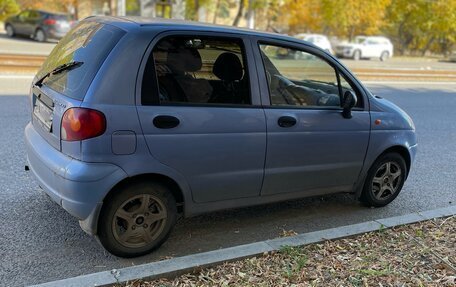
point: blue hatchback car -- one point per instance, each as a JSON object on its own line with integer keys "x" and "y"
{"x": 135, "y": 121}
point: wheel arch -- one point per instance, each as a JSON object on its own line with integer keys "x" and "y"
{"x": 399, "y": 149}
{"x": 90, "y": 224}
{"x": 173, "y": 186}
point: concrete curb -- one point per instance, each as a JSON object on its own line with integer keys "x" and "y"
{"x": 180, "y": 265}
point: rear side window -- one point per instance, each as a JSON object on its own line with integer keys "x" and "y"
{"x": 88, "y": 42}
{"x": 197, "y": 70}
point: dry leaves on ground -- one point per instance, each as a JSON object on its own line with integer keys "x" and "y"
{"x": 422, "y": 254}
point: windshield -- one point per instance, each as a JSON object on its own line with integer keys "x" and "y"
{"x": 89, "y": 42}
{"x": 360, "y": 40}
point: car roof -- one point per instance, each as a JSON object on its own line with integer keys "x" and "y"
{"x": 372, "y": 37}
{"x": 309, "y": 35}
{"x": 135, "y": 22}
{"x": 48, "y": 12}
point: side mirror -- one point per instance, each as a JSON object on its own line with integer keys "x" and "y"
{"x": 348, "y": 102}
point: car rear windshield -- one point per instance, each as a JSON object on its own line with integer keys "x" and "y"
{"x": 89, "y": 42}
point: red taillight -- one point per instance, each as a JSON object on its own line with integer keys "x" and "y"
{"x": 50, "y": 21}
{"x": 81, "y": 123}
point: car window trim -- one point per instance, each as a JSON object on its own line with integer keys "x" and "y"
{"x": 331, "y": 60}
{"x": 248, "y": 61}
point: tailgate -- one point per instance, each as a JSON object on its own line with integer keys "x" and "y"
{"x": 48, "y": 107}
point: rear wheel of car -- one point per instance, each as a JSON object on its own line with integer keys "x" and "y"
{"x": 357, "y": 55}
{"x": 40, "y": 36}
{"x": 10, "y": 30}
{"x": 137, "y": 219}
{"x": 384, "y": 56}
{"x": 384, "y": 180}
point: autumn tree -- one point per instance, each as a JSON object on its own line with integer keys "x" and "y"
{"x": 422, "y": 25}
{"x": 192, "y": 8}
{"x": 348, "y": 18}
{"x": 8, "y": 8}
{"x": 50, "y": 5}
{"x": 303, "y": 16}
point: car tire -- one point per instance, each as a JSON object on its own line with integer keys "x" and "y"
{"x": 10, "y": 30}
{"x": 40, "y": 35}
{"x": 384, "y": 180}
{"x": 357, "y": 55}
{"x": 137, "y": 219}
{"x": 384, "y": 56}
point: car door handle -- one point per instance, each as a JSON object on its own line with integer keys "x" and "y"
{"x": 286, "y": 121}
{"x": 166, "y": 122}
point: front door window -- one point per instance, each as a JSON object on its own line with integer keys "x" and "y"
{"x": 298, "y": 78}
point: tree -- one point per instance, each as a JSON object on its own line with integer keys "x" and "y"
{"x": 8, "y": 8}
{"x": 422, "y": 25}
{"x": 239, "y": 13}
{"x": 222, "y": 9}
{"x": 303, "y": 16}
{"x": 132, "y": 7}
{"x": 50, "y": 5}
{"x": 345, "y": 18}
{"x": 348, "y": 18}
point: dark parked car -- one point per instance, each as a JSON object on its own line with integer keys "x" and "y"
{"x": 135, "y": 121}
{"x": 39, "y": 25}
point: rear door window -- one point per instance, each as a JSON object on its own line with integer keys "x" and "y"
{"x": 197, "y": 70}
{"x": 89, "y": 42}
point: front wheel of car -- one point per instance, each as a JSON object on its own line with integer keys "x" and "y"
{"x": 384, "y": 56}
{"x": 384, "y": 180}
{"x": 40, "y": 36}
{"x": 357, "y": 55}
{"x": 10, "y": 30}
{"x": 137, "y": 219}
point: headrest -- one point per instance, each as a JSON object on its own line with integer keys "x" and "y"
{"x": 184, "y": 60}
{"x": 228, "y": 67}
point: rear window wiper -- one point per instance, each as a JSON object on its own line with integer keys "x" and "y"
{"x": 58, "y": 69}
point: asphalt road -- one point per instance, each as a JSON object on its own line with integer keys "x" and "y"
{"x": 40, "y": 242}
{"x": 24, "y": 45}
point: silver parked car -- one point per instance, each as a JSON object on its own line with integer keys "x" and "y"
{"x": 135, "y": 121}
{"x": 39, "y": 25}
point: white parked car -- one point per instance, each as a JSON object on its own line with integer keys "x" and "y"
{"x": 366, "y": 47}
{"x": 318, "y": 40}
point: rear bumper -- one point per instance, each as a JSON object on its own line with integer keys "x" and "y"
{"x": 54, "y": 32}
{"x": 79, "y": 187}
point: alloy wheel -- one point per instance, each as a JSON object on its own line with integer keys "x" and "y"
{"x": 387, "y": 180}
{"x": 39, "y": 36}
{"x": 139, "y": 221}
{"x": 9, "y": 31}
{"x": 357, "y": 55}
